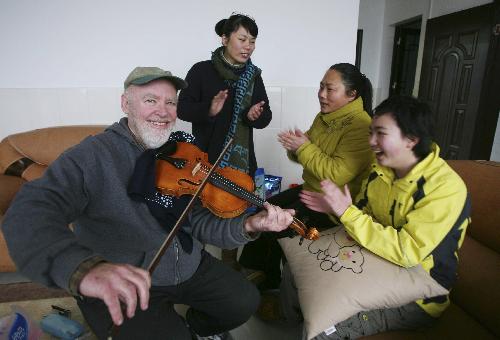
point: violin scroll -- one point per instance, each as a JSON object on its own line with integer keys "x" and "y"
{"x": 309, "y": 233}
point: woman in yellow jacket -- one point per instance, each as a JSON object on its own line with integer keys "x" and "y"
{"x": 335, "y": 147}
{"x": 413, "y": 209}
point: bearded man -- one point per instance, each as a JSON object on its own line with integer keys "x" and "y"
{"x": 102, "y": 259}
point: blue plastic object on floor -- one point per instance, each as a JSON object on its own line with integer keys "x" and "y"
{"x": 61, "y": 327}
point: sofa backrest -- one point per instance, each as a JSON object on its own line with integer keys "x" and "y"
{"x": 477, "y": 289}
{"x": 483, "y": 183}
{"x": 27, "y": 154}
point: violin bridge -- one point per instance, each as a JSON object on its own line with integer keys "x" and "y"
{"x": 196, "y": 169}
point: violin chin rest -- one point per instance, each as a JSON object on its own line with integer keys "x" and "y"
{"x": 169, "y": 148}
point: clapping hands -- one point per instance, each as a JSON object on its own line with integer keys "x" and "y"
{"x": 333, "y": 199}
{"x": 218, "y": 102}
{"x": 255, "y": 111}
{"x": 292, "y": 139}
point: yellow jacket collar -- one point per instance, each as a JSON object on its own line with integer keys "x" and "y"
{"x": 355, "y": 106}
{"x": 416, "y": 172}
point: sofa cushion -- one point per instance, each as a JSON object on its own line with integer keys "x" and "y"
{"x": 477, "y": 288}
{"x": 453, "y": 324}
{"x": 34, "y": 171}
{"x": 336, "y": 278}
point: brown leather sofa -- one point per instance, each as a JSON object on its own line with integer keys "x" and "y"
{"x": 475, "y": 309}
{"x": 24, "y": 157}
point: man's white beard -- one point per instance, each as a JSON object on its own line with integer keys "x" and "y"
{"x": 153, "y": 138}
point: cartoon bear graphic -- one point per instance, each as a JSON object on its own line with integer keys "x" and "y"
{"x": 327, "y": 245}
{"x": 349, "y": 257}
{"x": 335, "y": 250}
{"x": 324, "y": 246}
{"x": 343, "y": 239}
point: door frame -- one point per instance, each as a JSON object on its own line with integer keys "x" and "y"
{"x": 489, "y": 102}
{"x": 397, "y": 49}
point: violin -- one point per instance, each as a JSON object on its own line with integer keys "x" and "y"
{"x": 228, "y": 192}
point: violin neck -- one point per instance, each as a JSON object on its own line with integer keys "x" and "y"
{"x": 233, "y": 188}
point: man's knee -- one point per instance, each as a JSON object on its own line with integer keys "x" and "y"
{"x": 247, "y": 302}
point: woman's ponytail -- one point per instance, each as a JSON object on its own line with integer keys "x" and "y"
{"x": 354, "y": 80}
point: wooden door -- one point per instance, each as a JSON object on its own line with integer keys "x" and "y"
{"x": 453, "y": 67}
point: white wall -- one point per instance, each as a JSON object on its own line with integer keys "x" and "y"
{"x": 64, "y": 62}
{"x": 495, "y": 151}
{"x": 94, "y": 43}
{"x": 382, "y": 28}
{"x": 371, "y": 19}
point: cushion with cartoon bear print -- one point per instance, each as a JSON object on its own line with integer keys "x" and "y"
{"x": 337, "y": 278}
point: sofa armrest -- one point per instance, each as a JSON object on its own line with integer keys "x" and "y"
{"x": 10, "y": 186}
{"x": 6, "y": 263}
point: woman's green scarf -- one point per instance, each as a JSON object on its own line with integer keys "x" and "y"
{"x": 242, "y": 79}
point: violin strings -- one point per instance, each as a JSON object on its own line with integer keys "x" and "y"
{"x": 238, "y": 190}
{"x": 250, "y": 197}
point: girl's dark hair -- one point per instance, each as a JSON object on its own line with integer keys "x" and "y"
{"x": 354, "y": 80}
{"x": 414, "y": 118}
{"x": 231, "y": 24}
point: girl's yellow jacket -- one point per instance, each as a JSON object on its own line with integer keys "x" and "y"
{"x": 418, "y": 219}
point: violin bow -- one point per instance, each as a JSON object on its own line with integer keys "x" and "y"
{"x": 113, "y": 331}
{"x": 170, "y": 237}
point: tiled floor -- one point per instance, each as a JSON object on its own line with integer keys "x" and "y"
{"x": 256, "y": 329}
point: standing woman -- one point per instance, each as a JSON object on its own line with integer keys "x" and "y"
{"x": 226, "y": 97}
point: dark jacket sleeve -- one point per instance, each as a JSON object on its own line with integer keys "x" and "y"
{"x": 194, "y": 103}
{"x": 36, "y": 225}
{"x": 203, "y": 85}
{"x": 226, "y": 233}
